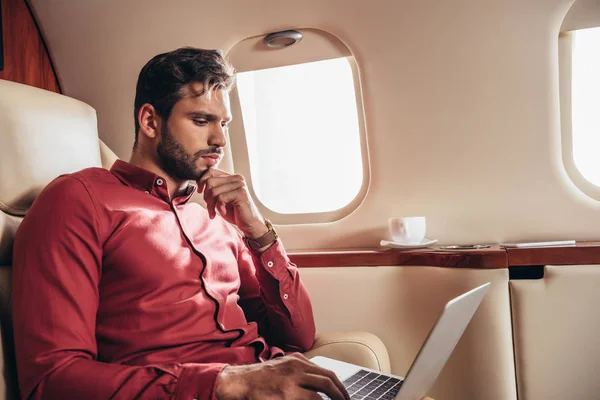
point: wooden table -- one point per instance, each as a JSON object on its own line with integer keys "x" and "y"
{"x": 491, "y": 258}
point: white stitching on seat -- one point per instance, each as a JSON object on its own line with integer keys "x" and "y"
{"x": 333, "y": 341}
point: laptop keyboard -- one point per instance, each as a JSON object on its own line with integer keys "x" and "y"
{"x": 365, "y": 385}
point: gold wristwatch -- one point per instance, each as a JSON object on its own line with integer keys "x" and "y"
{"x": 266, "y": 239}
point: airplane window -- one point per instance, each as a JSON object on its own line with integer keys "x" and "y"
{"x": 585, "y": 101}
{"x": 302, "y": 131}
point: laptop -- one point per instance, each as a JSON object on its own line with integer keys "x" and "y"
{"x": 368, "y": 384}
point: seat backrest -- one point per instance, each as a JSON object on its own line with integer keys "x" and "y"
{"x": 42, "y": 135}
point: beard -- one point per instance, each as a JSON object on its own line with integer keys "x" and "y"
{"x": 175, "y": 161}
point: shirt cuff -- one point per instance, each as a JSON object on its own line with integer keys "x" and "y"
{"x": 279, "y": 277}
{"x": 198, "y": 381}
{"x": 274, "y": 260}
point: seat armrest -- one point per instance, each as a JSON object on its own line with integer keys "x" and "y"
{"x": 360, "y": 348}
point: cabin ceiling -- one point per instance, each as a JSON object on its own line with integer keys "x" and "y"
{"x": 461, "y": 101}
{"x": 99, "y": 46}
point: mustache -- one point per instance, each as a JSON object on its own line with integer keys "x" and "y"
{"x": 211, "y": 150}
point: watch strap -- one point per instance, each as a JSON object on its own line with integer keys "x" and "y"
{"x": 266, "y": 239}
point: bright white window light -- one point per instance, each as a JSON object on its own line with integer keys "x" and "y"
{"x": 303, "y": 136}
{"x": 586, "y": 103}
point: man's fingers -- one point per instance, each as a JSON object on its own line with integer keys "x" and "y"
{"x": 298, "y": 355}
{"x": 309, "y": 394}
{"x": 222, "y": 208}
{"x": 226, "y": 187}
{"x": 212, "y": 208}
{"x": 213, "y": 183}
{"x": 314, "y": 369}
{"x": 222, "y": 200}
{"x": 323, "y": 384}
{"x": 214, "y": 197}
{"x": 211, "y": 173}
{"x": 229, "y": 197}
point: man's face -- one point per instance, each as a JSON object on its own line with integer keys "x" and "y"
{"x": 193, "y": 138}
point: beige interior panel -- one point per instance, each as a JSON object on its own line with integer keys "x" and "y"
{"x": 400, "y": 306}
{"x": 315, "y": 45}
{"x": 556, "y": 324}
{"x": 451, "y": 90}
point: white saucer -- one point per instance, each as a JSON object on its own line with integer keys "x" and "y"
{"x": 393, "y": 245}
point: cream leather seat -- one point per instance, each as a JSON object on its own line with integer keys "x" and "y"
{"x": 43, "y": 135}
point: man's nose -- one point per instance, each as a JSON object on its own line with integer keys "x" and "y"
{"x": 218, "y": 136}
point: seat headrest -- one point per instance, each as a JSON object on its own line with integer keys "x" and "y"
{"x": 42, "y": 135}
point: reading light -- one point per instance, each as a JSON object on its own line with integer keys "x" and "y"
{"x": 279, "y": 40}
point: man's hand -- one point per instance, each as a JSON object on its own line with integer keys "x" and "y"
{"x": 229, "y": 195}
{"x": 287, "y": 378}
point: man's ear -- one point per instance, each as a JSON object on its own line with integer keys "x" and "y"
{"x": 149, "y": 121}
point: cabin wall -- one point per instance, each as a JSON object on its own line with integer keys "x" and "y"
{"x": 461, "y": 103}
{"x": 400, "y": 304}
{"x": 555, "y": 322}
{"x": 25, "y": 57}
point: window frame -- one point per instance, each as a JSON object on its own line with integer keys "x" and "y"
{"x": 241, "y": 161}
{"x": 565, "y": 56}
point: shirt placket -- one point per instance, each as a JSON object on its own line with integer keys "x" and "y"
{"x": 213, "y": 295}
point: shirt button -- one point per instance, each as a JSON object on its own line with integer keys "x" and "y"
{"x": 147, "y": 192}
{"x": 159, "y": 181}
{"x": 270, "y": 264}
{"x": 285, "y": 296}
{"x": 222, "y": 326}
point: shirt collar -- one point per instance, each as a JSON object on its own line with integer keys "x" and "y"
{"x": 142, "y": 179}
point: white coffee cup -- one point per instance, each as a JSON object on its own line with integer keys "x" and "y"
{"x": 407, "y": 230}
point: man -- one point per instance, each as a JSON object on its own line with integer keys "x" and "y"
{"x": 124, "y": 289}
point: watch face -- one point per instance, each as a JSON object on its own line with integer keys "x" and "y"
{"x": 270, "y": 226}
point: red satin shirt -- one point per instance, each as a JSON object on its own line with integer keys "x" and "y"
{"x": 121, "y": 293}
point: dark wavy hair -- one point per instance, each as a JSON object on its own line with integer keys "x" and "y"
{"x": 162, "y": 80}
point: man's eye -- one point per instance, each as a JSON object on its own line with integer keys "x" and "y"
{"x": 200, "y": 122}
